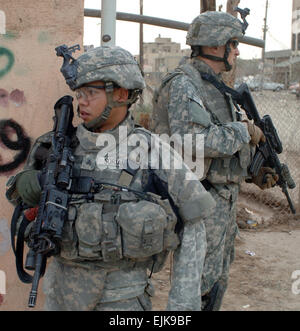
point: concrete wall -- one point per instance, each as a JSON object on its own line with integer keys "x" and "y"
{"x": 30, "y": 84}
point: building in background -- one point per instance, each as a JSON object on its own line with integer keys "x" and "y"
{"x": 162, "y": 55}
{"x": 284, "y": 65}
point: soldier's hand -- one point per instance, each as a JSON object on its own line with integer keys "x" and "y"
{"x": 29, "y": 188}
{"x": 266, "y": 178}
{"x": 255, "y": 133}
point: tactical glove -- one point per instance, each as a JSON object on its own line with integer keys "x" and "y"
{"x": 266, "y": 178}
{"x": 29, "y": 188}
{"x": 255, "y": 133}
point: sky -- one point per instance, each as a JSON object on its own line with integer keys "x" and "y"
{"x": 279, "y": 23}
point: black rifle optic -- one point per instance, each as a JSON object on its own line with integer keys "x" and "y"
{"x": 266, "y": 153}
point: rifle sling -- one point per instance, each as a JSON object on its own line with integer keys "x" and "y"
{"x": 222, "y": 87}
{"x": 23, "y": 275}
{"x": 18, "y": 247}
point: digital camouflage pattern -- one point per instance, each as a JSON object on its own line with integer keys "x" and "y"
{"x": 213, "y": 28}
{"x": 185, "y": 293}
{"x": 83, "y": 277}
{"x": 109, "y": 64}
{"x": 188, "y": 104}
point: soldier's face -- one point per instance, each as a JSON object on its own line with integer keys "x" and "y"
{"x": 234, "y": 52}
{"x": 92, "y": 102}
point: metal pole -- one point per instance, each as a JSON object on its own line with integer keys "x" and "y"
{"x": 263, "y": 52}
{"x": 163, "y": 23}
{"x": 141, "y": 45}
{"x": 108, "y": 22}
{"x": 141, "y": 38}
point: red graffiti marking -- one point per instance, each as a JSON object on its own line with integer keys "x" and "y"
{"x": 17, "y": 97}
{"x": 3, "y": 98}
{"x": 1, "y": 299}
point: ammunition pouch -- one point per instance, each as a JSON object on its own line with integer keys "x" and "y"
{"x": 118, "y": 225}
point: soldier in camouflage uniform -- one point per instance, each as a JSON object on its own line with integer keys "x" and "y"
{"x": 192, "y": 100}
{"x": 111, "y": 240}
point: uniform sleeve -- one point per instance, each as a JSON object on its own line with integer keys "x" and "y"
{"x": 187, "y": 114}
{"x": 188, "y": 194}
{"x": 194, "y": 204}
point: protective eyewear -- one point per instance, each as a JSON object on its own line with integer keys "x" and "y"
{"x": 88, "y": 92}
{"x": 234, "y": 43}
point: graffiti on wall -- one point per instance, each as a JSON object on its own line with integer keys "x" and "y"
{"x": 8, "y": 129}
{"x": 7, "y": 60}
{"x": 12, "y": 136}
{"x": 16, "y": 96}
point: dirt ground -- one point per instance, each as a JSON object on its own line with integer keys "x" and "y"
{"x": 267, "y": 256}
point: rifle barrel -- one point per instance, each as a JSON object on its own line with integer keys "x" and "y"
{"x": 35, "y": 281}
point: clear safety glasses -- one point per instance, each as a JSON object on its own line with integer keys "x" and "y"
{"x": 88, "y": 92}
{"x": 234, "y": 43}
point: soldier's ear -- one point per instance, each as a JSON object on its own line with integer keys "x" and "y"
{"x": 215, "y": 50}
{"x": 121, "y": 94}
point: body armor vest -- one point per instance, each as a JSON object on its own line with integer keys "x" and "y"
{"x": 221, "y": 110}
{"x": 114, "y": 221}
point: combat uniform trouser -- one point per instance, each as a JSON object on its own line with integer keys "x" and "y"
{"x": 139, "y": 303}
{"x": 221, "y": 230}
{"x": 70, "y": 288}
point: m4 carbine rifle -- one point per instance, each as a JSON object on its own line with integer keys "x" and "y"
{"x": 55, "y": 180}
{"x": 266, "y": 153}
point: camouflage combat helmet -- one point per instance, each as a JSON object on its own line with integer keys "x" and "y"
{"x": 109, "y": 64}
{"x": 112, "y": 65}
{"x": 213, "y": 29}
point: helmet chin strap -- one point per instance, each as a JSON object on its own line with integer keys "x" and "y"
{"x": 224, "y": 59}
{"x": 97, "y": 122}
